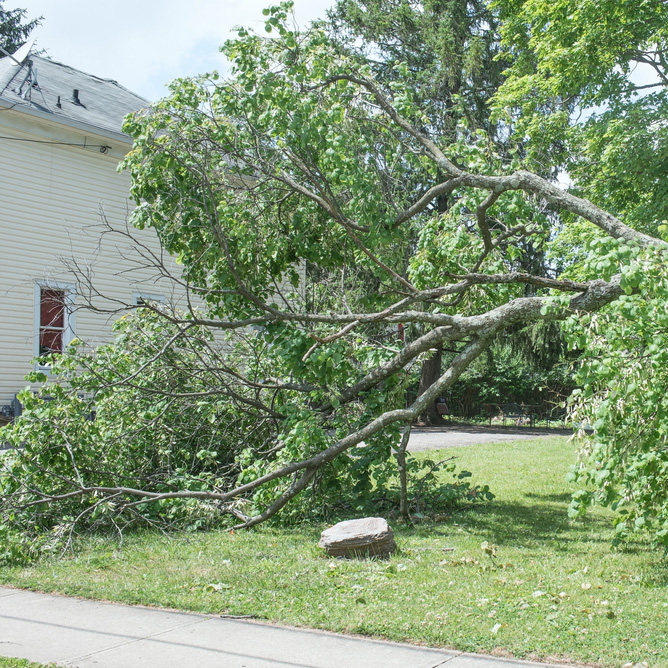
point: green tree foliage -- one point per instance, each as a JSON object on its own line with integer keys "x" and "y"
{"x": 588, "y": 89}
{"x": 299, "y": 159}
{"x": 14, "y": 30}
{"x": 622, "y": 403}
{"x": 450, "y": 47}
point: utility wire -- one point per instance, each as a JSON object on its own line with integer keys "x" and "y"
{"x": 45, "y": 141}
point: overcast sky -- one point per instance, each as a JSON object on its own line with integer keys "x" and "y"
{"x": 143, "y": 44}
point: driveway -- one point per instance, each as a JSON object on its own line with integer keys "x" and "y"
{"x": 455, "y": 436}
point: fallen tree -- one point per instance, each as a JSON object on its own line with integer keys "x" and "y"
{"x": 280, "y": 192}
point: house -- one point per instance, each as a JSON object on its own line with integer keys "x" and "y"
{"x": 60, "y": 145}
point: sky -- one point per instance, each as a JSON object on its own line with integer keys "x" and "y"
{"x": 143, "y": 44}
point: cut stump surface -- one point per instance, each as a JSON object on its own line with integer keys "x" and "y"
{"x": 370, "y": 536}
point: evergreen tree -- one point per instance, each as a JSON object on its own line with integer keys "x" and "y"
{"x": 452, "y": 52}
{"x": 449, "y": 46}
{"x": 14, "y": 30}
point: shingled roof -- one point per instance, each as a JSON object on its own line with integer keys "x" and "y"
{"x": 48, "y": 88}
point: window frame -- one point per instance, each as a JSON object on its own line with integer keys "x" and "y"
{"x": 69, "y": 320}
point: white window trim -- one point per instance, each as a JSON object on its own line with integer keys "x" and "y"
{"x": 70, "y": 298}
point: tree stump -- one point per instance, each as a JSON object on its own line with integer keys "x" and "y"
{"x": 367, "y": 537}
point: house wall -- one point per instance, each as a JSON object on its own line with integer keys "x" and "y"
{"x": 51, "y": 196}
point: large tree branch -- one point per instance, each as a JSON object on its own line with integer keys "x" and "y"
{"x": 520, "y": 180}
{"x": 524, "y": 309}
{"x": 434, "y": 192}
{"x": 561, "y": 199}
{"x": 482, "y": 328}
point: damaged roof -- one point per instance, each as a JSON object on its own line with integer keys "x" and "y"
{"x": 52, "y": 89}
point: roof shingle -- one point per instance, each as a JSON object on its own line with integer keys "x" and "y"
{"x": 103, "y": 103}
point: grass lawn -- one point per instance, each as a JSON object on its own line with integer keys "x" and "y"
{"x": 21, "y": 663}
{"x": 556, "y": 590}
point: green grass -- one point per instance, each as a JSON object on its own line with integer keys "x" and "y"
{"x": 556, "y": 590}
{"x": 21, "y": 663}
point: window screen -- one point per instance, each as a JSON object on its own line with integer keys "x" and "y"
{"x": 52, "y": 320}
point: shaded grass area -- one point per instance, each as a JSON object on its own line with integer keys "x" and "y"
{"x": 555, "y": 590}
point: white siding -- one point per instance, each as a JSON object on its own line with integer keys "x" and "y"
{"x": 51, "y": 196}
{"x": 50, "y": 201}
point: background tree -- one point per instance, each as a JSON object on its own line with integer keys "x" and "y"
{"x": 588, "y": 90}
{"x": 302, "y": 157}
{"x": 451, "y": 49}
{"x": 454, "y": 67}
{"x": 14, "y": 30}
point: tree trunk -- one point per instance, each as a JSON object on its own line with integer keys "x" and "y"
{"x": 403, "y": 473}
{"x": 431, "y": 372}
{"x": 431, "y": 367}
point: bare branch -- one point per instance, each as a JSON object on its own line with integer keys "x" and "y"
{"x": 482, "y": 219}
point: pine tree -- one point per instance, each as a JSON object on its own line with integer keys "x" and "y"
{"x": 451, "y": 48}
{"x": 14, "y": 30}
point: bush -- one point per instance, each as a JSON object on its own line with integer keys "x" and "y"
{"x": 127, "y": 415}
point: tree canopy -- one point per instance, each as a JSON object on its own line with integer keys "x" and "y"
{"x": 587, "y": 88}
{"x": 588, "y": 91}
{"x": 14, "y": 29}
{"x": 302, "y": 158}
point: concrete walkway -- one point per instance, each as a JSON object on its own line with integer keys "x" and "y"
{"x": 457, "y": 435}
{"x": 87, "y": 634}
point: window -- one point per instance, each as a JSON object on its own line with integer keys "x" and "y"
{"x": 52, "y": 321}
{"x": 53, "y": 318}
{"x": 143, "y": 298}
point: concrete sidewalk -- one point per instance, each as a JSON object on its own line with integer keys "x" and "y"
{"x": 459, "y": 435}
{"x": 86, "y": 634}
